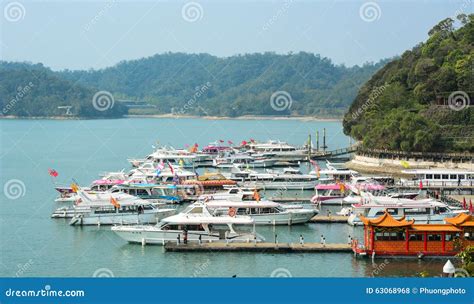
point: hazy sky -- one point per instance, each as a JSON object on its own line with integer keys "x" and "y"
{"x": 96, "y": 34}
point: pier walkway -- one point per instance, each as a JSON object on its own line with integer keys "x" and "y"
{"x": 258, "y": 247}
{"x": 329, "y": 219}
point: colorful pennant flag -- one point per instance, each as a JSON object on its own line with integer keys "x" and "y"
{"x": 114, "y": 202}
{"x": 53, "y": 172}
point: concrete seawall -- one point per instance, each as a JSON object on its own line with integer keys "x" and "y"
{"x": 394, "y": 166}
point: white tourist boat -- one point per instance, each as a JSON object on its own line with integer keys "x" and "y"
{"x": 264, "y": 212}
{"x": 289, "y": 179}
{"x": 277, "y": 149}
{"x": 182, "y": 158}
{"x": 425, "y": 211}
{"x": 242, "y": 159}
{"x": 196, "y": 222}
{"x": 164, "y": 194}
{"x": 438, "y": 177}
{"x": 149, "y": 174}
{"x": 97, "y": 209}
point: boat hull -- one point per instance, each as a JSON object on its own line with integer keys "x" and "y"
{"x": 155, "y": 236}
{"x": 119, "y": 219}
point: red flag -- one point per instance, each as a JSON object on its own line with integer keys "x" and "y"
{"x": 53, "y": 172}
{"x": 230, "y": 142}
{"x": 171, "y": 168}
{"x": 221, "y": 140}
{"x": 464, "y": 203}
{"x": 421, "y": 184}
{"x": 243, "y": 143}
{"x": 470, "y": 206}
{"x": 252, "y": 140}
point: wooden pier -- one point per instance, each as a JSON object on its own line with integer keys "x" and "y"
{"x": 258, "y": 247}
{"x": 329, "y": 219}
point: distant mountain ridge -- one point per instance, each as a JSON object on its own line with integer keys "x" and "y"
{"x": 197, "y": 84}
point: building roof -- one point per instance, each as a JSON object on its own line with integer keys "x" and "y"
{"x": 386, "y": 220}
{"x": 435, "y": 228}
{"x": 462, "y": 219}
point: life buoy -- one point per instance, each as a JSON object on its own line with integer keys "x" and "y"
{"x": 232, "y": 211}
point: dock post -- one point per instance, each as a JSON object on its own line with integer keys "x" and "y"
{"x": 317, "y": 141}
{"x": 324, "y": 140}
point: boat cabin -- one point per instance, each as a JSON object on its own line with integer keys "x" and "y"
{"x": 440, "y": 177}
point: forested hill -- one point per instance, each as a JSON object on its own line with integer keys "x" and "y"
{"x": 421, "y": 101}
{"x": 28, "y": 90}
{"x": 201, "y": 84}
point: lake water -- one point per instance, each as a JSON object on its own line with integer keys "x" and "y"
{"x": 33, "y": 244}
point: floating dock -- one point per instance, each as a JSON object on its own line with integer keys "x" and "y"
{"x": 329, "y": 219}
{"x": 258, "y": 247}
{"x": 290, "y": 199}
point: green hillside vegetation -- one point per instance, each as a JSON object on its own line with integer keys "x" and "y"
{"x": 233, "y": 86}
{"x": 401, "y": 106}
{"x": 28, "y": 90}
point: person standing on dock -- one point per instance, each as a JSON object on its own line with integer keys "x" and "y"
{"x": 322, "y": 238}
{"x": 301, "y": 240}
{"x": 349, "y": 239}
{"x": 324, "y": 242}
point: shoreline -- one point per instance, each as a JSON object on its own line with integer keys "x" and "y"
{"x": 165, "y": 116}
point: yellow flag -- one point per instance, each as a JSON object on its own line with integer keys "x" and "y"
{"x": 74, "y": 187}
{"x": 405, "y": 164}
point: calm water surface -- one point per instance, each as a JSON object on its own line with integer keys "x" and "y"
{"x": 32, "y": 244}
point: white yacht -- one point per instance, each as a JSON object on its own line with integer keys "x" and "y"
{"x": 165, "y": 155}
{"x": 196, "y": 222}
{"x": 277, "y": 149}
{"x": 98, "y": 209}
{"x": 438, "y": 177}
{"x": 264, "y": 212}
{"x": 425, "y": 211}
{"x": 242, "y": 159}
{"x": 150, "y": 174}
{"x": 289, "y": 178}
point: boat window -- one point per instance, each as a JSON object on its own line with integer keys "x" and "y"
{"x": 434, "y": 237}
{"x": 445, "y": 176}
{"x": 142, "y": 192}
{"x": 233, "y": 191}
{"x": 409, "y": 211}
{"x": 461, "y": 176}
{"x": 453, "y": 176}
{"x": 437, "y": 176}
{"x": 417, "y": 237}
{"x": 196, "y": 210}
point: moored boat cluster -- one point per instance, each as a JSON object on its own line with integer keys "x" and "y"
{"x": 226, "y": 201}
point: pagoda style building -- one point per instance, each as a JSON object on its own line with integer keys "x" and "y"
{"x": 388, "y": 236}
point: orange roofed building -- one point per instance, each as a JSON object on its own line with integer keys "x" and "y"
{"x": 388, "y": 236}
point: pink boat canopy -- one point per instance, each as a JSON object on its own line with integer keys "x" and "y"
{"x": 108, "y": 182}
{"x": 369, "y": 187}
{"x": 328, "y": 187}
